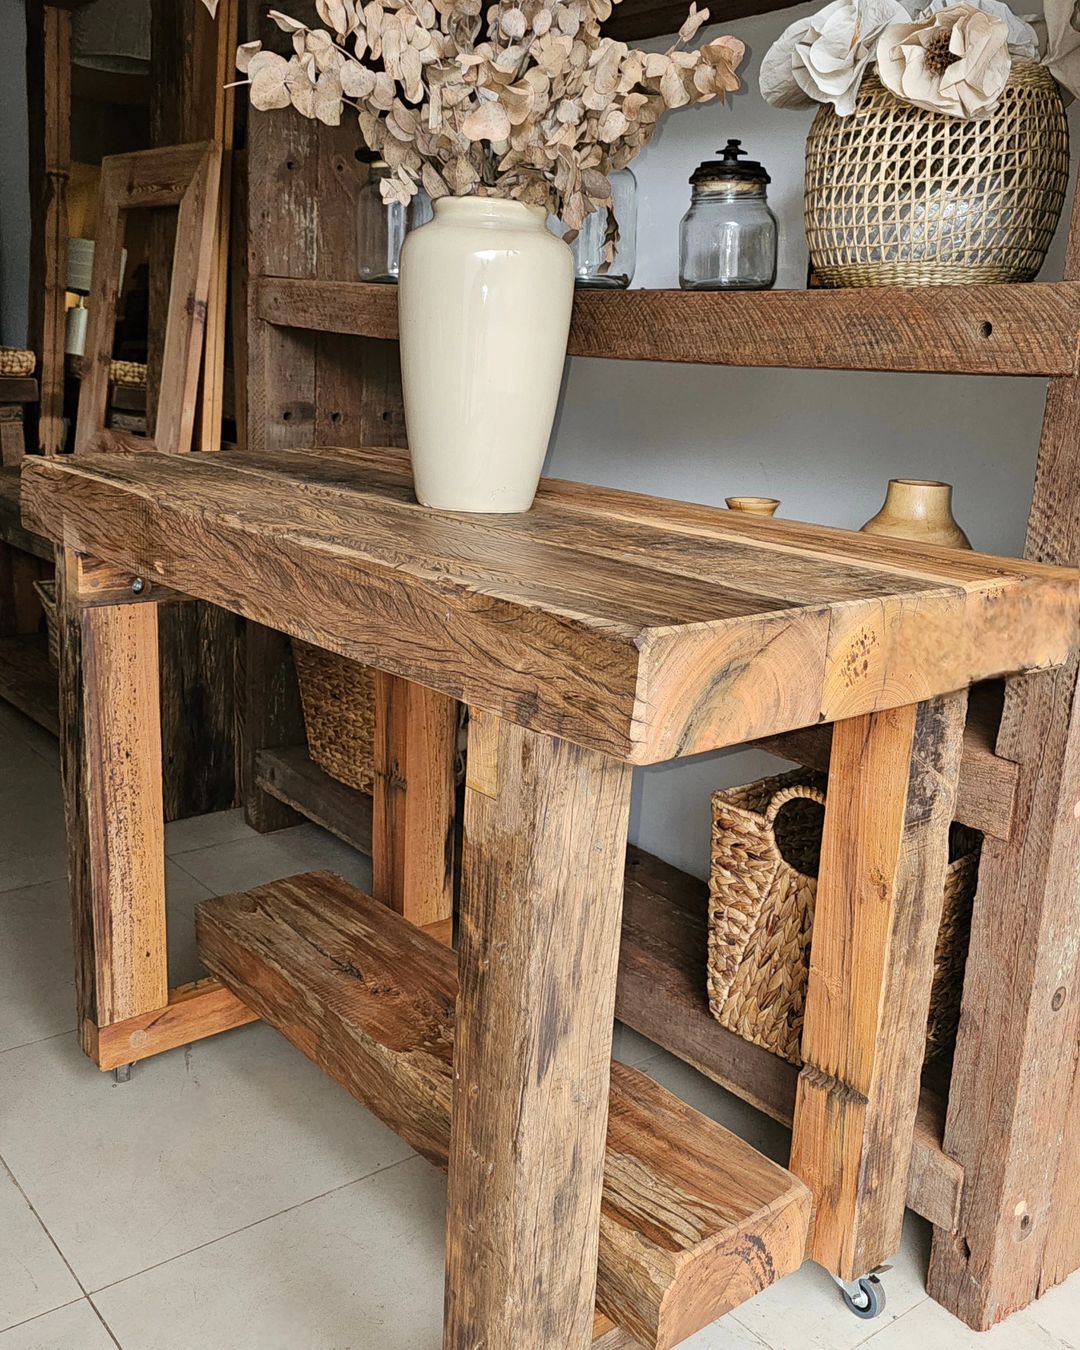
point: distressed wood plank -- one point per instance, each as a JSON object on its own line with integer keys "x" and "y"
{"x": 892, "y": 784}
{"x": 111, "y": 742}
{"x": 292, "y": 777}
{"x": 193, "y": 1012}
{"x": 692, "y": 1219}
{"x": 969, "y": 330}
{"x": 415, "y": 800}
{"x": 545, "y": 837}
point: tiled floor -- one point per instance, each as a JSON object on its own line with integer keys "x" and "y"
{"x": 229, "y": 1197}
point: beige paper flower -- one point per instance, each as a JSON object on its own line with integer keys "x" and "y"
{"x": 954, "y": 62}
{"x": 1062, "y": 45}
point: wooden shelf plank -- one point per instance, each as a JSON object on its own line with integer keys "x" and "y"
{"x": 11, "y": 527}
{"x": 291, "y": 776}
{"x": 662, "y": 996}
{"x": 987, "y": 788}
{"x": 979, "y": 330}
{"x": 694, "y": 1221}
{"x": 27, "y": 681}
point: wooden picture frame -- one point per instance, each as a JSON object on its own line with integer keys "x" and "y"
{"x": 187, "y": 177}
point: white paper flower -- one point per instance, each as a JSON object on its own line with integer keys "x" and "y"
{"x": 954, "y": 62}
{"x": 1023, "y": 39}
{"x": 823, "y": 59}
{"x": 1062, "y": 45}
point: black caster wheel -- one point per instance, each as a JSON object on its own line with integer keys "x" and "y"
{"x": 865, "y": 1297}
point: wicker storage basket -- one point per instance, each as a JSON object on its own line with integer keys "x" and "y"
{"x": 766, "y": 841}
{"x": 46, "y": 593}
{"x": 14, "y": 361}
{"x": 897, "y": 196}
{"x": 339, "y": 712}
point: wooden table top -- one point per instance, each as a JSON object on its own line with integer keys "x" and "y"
{"x": 645, "y": 628}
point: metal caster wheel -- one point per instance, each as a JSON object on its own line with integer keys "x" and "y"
{"x": 865, "y": 1297}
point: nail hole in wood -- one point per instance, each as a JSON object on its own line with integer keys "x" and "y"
{"x": 335, "y": 417}
{"x": 986, "y": 330}
{"x": 290, "y": 164}
{"x": 286, "y": 415}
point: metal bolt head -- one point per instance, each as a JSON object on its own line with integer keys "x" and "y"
{"x": 138, "y": 586}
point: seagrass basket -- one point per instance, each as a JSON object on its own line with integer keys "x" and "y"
{"x": 897, "y": 196}
{"x": 338, "y": 696}
{"x": 766, "y": 844}
{"x": 15, "y": 362}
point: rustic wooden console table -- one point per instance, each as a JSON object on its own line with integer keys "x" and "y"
{"x": 601, "y": 630}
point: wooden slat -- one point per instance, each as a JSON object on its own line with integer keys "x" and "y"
{"x": 972, "y": 330}
{"x": 662, "y": 996}
{"x": 273, "y": 719}
{"x": 692, "y": 1220}
{"x": 987, "y": 787}
{"x": 545, "y": 838}
{"x": 892, "y": 785}
{"x": 292, "y": 777}
{"x": 634, "y": 646}
{"x": 415, "y": 800}
{"x": 193, "y": 1012}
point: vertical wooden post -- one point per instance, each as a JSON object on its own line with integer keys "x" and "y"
{"x": 892, "y": 786}
{"x": 412, "y": 850}
{"x": 273, "y": 717}
{"x": 49, "y": 91}
{"x": 541, "y": 900}
{"x": 111, "y": 757}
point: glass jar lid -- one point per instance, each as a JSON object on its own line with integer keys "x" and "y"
{"x": 729, "y": 169}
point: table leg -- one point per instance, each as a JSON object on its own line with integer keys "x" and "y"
{"x": 541, "y": 901}
{"x": 111, "y": 759}
{"x": 412, "y": 848}
{"x": 892, "y": 786}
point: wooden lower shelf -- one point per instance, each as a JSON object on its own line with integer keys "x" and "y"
{"x": 694, "y": 1221}
{"x": 291, "y": 776}
{"x": 661, "y": 977}
{"x": 27, "y": 680}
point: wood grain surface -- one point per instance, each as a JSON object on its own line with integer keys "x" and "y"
{"x": 892, "y": 784}
{"x": 692, "y": 1221}
{"x": 643, "y": 628}
{"x": 973, "y": 330}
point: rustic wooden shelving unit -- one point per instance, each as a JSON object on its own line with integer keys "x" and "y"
{"x": 998, "y": 1175}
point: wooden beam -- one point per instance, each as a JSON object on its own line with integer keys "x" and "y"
{"x": 27, "y": 680}
{"x": 193, "y": 1012}
{"x": 964, "y": 330}
{"x": 292, "y": 777}
{"x": 692, "y": 1220}
{"x": 110, "y": 725}
{"x": 272, "y": 718}
{"x": 545, "y": 838}
{"x": 987, "y": 787}
{"x": 892, "y": 785}
{"x": 415, "y": 799}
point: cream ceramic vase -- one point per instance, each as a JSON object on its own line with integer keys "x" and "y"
{"x": 484, "y": 312}
{"x": 917, "y": 508}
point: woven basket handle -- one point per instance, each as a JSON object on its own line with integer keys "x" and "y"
{"x": 780, "y": 800}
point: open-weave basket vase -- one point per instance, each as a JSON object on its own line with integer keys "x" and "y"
{"x": 16, "y": 362}
{"x": 338, "y": 696}
{"x": 766, "y": 843}
{"x": 897, "y": 196}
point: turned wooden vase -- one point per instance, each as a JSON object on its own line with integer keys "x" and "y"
{"x": 919, "y": 509}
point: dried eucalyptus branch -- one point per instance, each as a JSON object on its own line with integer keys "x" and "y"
{"x": 527, "y": 100}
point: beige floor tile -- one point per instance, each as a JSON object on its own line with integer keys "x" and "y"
{"x": 76, "y": 1327}
{"x": 359, "y": 1269}
{"x": 1053, "y": 1323}
{"x": 33, "y": 1276}
{"x": 242, "y": 863}
{"x": 17, "y": 729}
{"x": 630, "y": 1048}
{"x": 220, "y": 827}
{"x": 201, "y": 1142}
{"x": 37, "y": 997}
{"x": 32, "y": 840}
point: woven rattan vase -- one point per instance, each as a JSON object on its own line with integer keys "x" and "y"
{"x": 896, "y": 196}
{"x": 766, "y": 841}
{"x": 338, "y": 696}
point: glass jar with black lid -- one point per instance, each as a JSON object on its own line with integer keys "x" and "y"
{"x": 727, "y": 239}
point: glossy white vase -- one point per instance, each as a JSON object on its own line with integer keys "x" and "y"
{"x": 484, "y": 305}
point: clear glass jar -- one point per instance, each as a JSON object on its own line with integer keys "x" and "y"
{"x": 381, "y": 226}
{"x": 727, "y": 239}
{"x": 588, "y": 247}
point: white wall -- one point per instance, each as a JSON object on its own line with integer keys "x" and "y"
{"x": 14, "y": 192}
{"x": 825, "y": 443}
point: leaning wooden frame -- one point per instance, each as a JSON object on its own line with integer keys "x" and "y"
{"x": 187, "y": 177}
